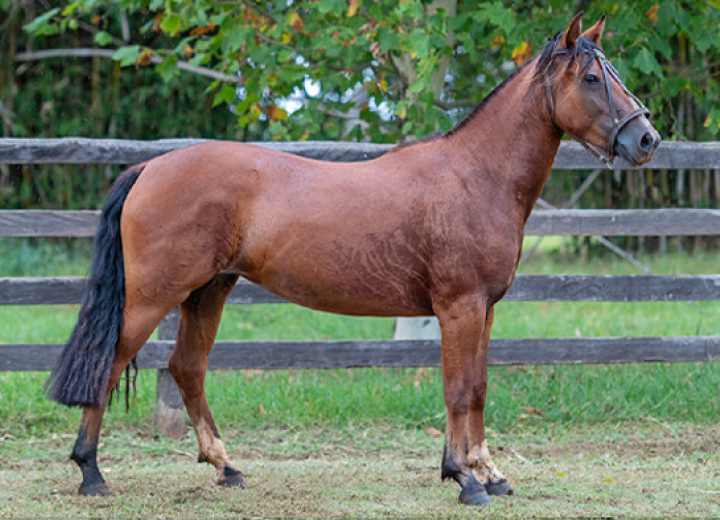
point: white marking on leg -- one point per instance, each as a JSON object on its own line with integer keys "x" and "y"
{"x": 211, "y": 447}
{"x": 482, "y": 465}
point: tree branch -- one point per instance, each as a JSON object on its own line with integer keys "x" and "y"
{"x": 86, "y": 52}
{"x": 463, "y": 103}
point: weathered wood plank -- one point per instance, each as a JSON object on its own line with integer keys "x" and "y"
{"x": 563, "y": 287}
{"x": 620, "y": 288}
{"x": 566, "y": 222}
{"x": 41, "y": 291}
{"x": 48, "y": 223}
{"x": 272, "y": 355}
{"x": 79, "y": 150}
{"x": 169, "y": 406}
{"x": 628, "y": 222}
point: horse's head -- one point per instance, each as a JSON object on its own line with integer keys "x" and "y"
{"x": 588, "y": 100}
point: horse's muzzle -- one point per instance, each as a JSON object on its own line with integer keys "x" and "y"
{"x": 637, "y": 141}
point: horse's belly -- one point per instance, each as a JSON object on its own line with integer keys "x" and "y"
{"x": 350, "y": 299}
{"x": 361, "y": 284}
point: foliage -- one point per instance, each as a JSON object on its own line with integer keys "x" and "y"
{"x": 384, "y": 71}
{"x": 420, "y": 64}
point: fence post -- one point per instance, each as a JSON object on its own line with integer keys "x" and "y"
{"x": 170, "y": 412}
{"x": 425, "y": 327}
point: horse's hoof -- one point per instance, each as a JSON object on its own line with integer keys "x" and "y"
{"x": 499, "y": 488}
{"x": 231, "y": 478}
{"x": 98, "y": 489}
{"x": 474, "y": 497}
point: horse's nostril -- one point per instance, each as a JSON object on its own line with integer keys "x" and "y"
{"x": 647, "y": 141}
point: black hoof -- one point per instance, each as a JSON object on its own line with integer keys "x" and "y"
{"x": 98, "y": 489}
{"x": 499, "y": 488}
{"x": 231, "y": 478}
{"x": 474, "y": 497}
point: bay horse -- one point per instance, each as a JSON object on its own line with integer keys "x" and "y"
{"x": 433, "y": 227}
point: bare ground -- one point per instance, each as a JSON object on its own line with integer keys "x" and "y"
{"x": 646, "y": 469}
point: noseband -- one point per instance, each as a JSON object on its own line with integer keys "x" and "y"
{"x": 606, "y": 156}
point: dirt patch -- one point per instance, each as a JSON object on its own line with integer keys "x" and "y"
{"x": 636, "y": 470}
{"x": 642, "y": 443}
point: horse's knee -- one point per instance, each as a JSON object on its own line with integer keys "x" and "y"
{"x": 188, "y": 376}
{"x": 457, "y": 398}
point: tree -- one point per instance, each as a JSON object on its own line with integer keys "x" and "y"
{"x": 307, "y": 69}
{"x": 422, "y": 64}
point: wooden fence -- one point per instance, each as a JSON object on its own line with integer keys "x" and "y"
{"x": 344, "y": 354}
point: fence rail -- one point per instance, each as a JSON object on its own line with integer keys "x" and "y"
{"x": 276, "y": 355}
{"x": 78, "y": 150}
{"x": 566, "y": 222}
{"x": 345, "y": 354}
{"x": 526, "y": 288}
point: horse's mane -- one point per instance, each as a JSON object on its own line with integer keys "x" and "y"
{"x": 544, "y": 59}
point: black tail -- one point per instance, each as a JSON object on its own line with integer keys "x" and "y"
{"x": 80, "y": 377}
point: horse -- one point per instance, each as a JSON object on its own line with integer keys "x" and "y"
{"x": 431, "y": 228}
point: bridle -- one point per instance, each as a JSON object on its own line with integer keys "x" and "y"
{"x": 609, "y": 72}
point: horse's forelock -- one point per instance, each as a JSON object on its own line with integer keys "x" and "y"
{"x": 582, "y": 48}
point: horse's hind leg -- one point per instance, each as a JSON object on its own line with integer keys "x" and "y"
{"x": 199, "y": 320}
{"x": 479, "y": 455}
{"x": 140, "y": 319}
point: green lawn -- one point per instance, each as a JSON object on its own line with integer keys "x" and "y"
{"x": 575, "y": 440}
{"x": 410, "y": 398}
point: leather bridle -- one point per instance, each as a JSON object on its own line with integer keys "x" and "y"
{"x": 609, "y": 72}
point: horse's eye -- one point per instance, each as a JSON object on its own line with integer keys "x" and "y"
{"x": 591, "y": 78}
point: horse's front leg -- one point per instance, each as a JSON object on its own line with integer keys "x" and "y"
{"x": 462, "y": 322}
{"x": 479, "y": 456}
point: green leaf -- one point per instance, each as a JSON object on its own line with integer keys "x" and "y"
{"x": 226, "y": 95}
{"x": 418, "y": 86}
{"x": 646, "y": 62}
{"x": 127, "y": 55}
{"x": 332, "y": 6}
{"x": 168, "y": 68}
{"x": 103, "y": 38}
{"x": 445, "y": 124}
{"x": 498, "y": 15}
{"x": 704, "y": 37}
{"x": 41, "y": 24}
{"x": 712, "y": 122}
{"x": 170, "y": 23}
{"x": 419, "y": 43}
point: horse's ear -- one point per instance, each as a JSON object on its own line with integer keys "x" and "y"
{"x": 595, "y": 32}
{"x": 572, "y": 33}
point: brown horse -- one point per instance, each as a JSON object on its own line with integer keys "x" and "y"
{"x": 431, "y": 228}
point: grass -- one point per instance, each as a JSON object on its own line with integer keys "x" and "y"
{"x": 617, "y": 470}
{"x": 579, "y": 440}
{"x": 407, "y": 398}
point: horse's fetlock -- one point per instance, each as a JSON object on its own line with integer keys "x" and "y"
{"x": 449, "y": 467}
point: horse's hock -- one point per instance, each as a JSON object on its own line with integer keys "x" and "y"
{"x": 414, "y": 346}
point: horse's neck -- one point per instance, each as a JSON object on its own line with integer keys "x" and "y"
{"x": 511, "y": 141}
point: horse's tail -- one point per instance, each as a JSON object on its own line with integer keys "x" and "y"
{"x": 81, "y": 375}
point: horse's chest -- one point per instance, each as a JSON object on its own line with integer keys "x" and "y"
{"x": 475, "y": 260}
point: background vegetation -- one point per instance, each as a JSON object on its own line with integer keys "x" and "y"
{"x": 384, "y": 71}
